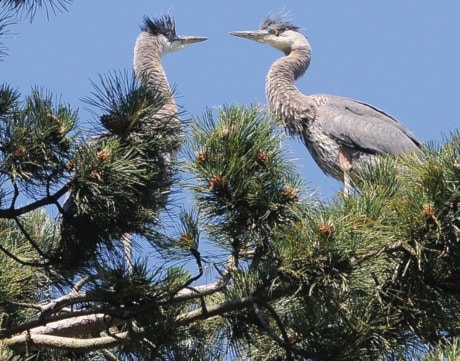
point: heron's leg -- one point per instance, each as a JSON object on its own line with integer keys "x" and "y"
{"x": 128, "y": 251}
{"x": 345, "y": 166}
{"x": 347, "y": 188}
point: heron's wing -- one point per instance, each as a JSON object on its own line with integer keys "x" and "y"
{"x": 363, "y": 126}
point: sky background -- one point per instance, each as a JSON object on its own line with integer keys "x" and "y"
{"x": 400, "y": 56}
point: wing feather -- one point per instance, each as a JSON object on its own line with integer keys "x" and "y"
{"x": 360, "y": 125}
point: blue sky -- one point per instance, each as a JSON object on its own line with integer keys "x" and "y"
{"x": 401, "y": 56}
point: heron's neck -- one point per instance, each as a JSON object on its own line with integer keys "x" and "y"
{"x": 282, "y": 95}
{"x": 150, "y": 73}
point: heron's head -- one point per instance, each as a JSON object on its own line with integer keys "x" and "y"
{"x": 277, "y": 32}
{"x": 163, "y": 31}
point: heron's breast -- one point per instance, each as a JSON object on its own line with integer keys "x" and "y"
{"x": 324, "y": 150}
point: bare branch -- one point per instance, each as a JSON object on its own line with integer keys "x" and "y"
{"x": 89, "y": 324}
{"x": 190, "y": 293}
{"x": 187, "y": 293}
{"x": 79, "y": 285}
{"x": 62, "y": 317}
{"x": 216, "y": 310}
{"x": 63, "y": 301}
{"x": 18, "y": 343}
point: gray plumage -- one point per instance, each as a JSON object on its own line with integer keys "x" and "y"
{"x": 344, "y": 136}
{"x": 157, "y": 38}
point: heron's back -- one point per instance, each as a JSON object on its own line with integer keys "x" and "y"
{"x": 332, "y": 125}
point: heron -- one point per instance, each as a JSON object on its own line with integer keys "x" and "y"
{"x": 344, "y": 136}
{"x": 157, "y": 38}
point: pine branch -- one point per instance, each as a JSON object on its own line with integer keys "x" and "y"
{"x": 70, "y": 324}
{"x": 216, "y": 310}
{"x": 21, "y": 342}
{"x": 74, "y": 326}
{"x": 205, "y": 290}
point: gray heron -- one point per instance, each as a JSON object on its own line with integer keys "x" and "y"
{"x": 344, "y": 136}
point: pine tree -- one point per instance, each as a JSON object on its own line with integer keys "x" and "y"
{"x": 256, "y": 268}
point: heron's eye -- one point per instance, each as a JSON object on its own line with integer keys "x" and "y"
{"x": 275, "y": 32}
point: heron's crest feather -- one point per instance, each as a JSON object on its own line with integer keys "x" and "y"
{"x": 164, "y": 26}
{"x": 278, "y": 23}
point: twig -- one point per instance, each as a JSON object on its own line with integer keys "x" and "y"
{"x": 187, "y": 293}
{"x": 29, "y": 238}
{"x": 196, "y": 254}
{"x": 24, "y": 263}
{"x": 16, "y": 212}
{"x": 285, "y": 344}
{"x": 15, "y": 194}
{"x": 215, "y": 310}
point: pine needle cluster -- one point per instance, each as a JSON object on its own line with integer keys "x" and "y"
{"x": 245, "y": 183}
{"x": 36, "y": 141}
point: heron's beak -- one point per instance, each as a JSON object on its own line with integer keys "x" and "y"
{"x": 187, "y": 40}
{"x": 257, "y": 35}
{"x": 181, "y": 42}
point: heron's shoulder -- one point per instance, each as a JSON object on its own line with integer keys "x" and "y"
{"x": 318, "y": 100}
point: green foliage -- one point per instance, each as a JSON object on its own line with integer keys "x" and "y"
{"x": 9, "y": 99}
{"x": 245, "y": 185}
{"x": 35, "y": 140}
{"x": 446, "y": 351}
{"x": 128, "y": 108}
{"x": 106, "y": 189}
{"x": 23, "y": 284}
{"x": 137, "y": 123}
{"x": 373, "y": 275}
